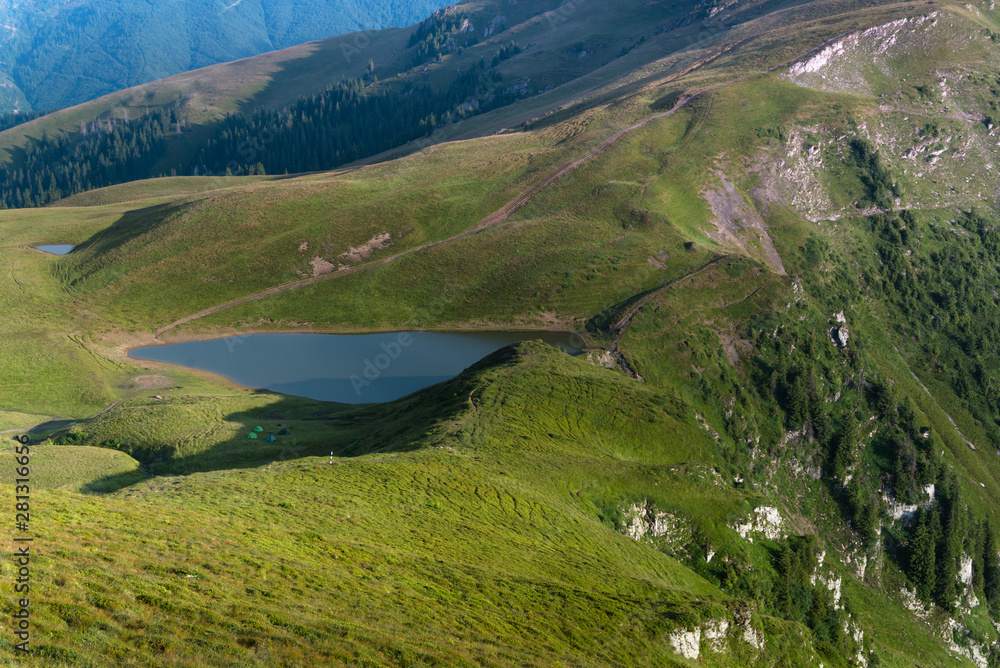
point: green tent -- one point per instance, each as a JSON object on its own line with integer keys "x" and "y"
{"x": 258, "y": 429}
{"x": 251, "y": 435}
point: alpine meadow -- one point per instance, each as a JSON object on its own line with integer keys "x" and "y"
{"x": 771, "y": 229}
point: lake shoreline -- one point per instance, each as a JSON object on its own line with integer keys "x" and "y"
{"x": 343, "y": 368}
{"x": 133, "y": 340}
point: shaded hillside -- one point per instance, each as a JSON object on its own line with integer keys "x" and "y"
{"x": 58, "y": 54}
{"x": 325, "y": 104}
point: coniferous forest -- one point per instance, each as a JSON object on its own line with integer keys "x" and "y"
{"x": 13, "y": 119}
{"x": 905, "y": 459}
{"x": 350, "y": 120}
{"x": 104, "y": 152}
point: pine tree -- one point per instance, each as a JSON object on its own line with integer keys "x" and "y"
{"x": 954, "y": 528}
{"x": 946, "y": 563}
{"x": 819, "y": 412}
{"x": 796, "y": 399}
{"x": 921, "y": 568}
{"x": 842, "y": 448}
{"x": 991, "y": 569}
{"x": 864, "y": 510}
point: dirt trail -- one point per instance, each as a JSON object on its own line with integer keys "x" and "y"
{"x": 617, "y": 330}
{"x": 619, "y": 327}
{"x": 496, "y": 217}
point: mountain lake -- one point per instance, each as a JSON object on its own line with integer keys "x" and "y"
{"x": 56, "y": 249}
{"x": 346, "y": 368}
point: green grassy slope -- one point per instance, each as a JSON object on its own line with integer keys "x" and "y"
{"x": 334, "y": 578}
{"x": 564, "y": 58}
{"x": 486, "y": 520}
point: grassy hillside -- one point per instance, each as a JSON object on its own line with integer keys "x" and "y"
{"x": 59, "y": 53}
{"x": 560, "y": 572}
{"x": 551, "y": 58}
{"x": 778, "y": 448}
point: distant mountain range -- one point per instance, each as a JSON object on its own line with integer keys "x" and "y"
{"x": 57, "y": 53}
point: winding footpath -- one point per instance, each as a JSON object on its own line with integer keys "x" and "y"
{"x": 501, "y": 214}
{"x": 496, "y": 217}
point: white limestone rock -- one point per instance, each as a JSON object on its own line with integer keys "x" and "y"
{"x": 765, "y": 520}
{"x": 687, "y": 643}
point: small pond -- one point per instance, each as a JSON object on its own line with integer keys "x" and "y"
{"x": 352, "y": 369}
{"x": 56, "y": 249}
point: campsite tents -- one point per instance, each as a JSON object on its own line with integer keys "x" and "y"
{"x": 271, "y": 438}
{"x": 251, "y": 435}
{"x": 284, "y": 432}
{"x": 258, "y": 429}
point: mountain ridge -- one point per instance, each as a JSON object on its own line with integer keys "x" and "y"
{"x": 109, "y": 46}
{"x": 751, "y": 462}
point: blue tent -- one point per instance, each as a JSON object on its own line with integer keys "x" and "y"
{"x": 271, "y": 438}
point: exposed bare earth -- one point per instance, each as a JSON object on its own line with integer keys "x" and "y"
{"x": 152, "y": 382}
{"x": 364, "y": 251}
{"x": 321, "y": 267}
{"x": 738, "y": 225}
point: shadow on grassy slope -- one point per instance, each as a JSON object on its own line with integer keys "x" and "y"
{"x": 91, "y": 254}
{"x": 317, "y": 429}
{"x": 523, "y": 400}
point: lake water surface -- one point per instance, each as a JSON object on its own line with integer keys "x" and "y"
{"x": 56, "y": 249}
{"x": 363, "y": 368}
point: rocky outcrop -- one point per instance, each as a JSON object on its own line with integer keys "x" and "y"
{"x": 833, "y": 583}
{"x": 718, "y": 634}
{"x": 965, "y": 579}
{"x": 839, "y": 335}
{"x": 642, "y": 520}
{"x": 603, "y": 359}
{"x": 912, "y": 603}
{"x": 973, "y": 652}
{"x": 687, "y": 643}
{"x": 715, "y": 634}
{"x": 906, "y": 511}
{"x": 766, "y": 521}
{"x": 834, "y": 66}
